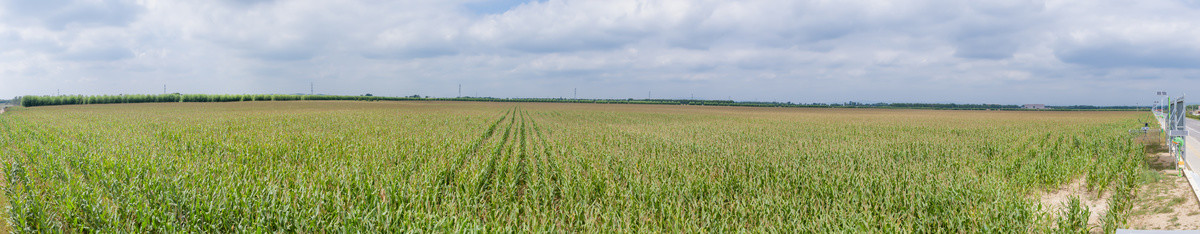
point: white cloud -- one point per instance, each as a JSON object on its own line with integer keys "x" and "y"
{"x": 1054, "y": 51}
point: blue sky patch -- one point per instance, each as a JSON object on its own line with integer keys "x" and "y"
{"x": 487, "y": 7}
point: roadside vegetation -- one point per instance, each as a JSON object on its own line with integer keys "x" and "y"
{"x": 500, "y": 167}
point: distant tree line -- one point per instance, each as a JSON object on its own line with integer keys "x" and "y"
{"x": 1086, "y": 107}
{"x": 30, "y": 101}
{"x": 952, "y": 106}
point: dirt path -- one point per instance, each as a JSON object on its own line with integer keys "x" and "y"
{"x": 1166, "y": 203}
{"x": 1165, "y": 200}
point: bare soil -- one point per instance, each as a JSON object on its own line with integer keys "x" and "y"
{"x": 1053, "y": 201}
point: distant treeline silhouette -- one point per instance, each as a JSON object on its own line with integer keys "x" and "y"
{"x": 31, "y": 101}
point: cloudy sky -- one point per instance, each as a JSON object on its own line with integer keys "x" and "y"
{"x": 1058, "y": 52}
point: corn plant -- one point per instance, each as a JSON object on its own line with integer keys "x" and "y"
{"x": 340, "y": 166}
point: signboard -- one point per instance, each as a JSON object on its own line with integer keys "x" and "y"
{"x": 1176, "y": 124}
{"x": 1178, "y": 133}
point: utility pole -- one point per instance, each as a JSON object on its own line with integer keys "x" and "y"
{"x": 648, "y": 95}
{"x": 575, "y": 95}
{"x": 312, "y": 88}
{"x": 459, "y": 90}
{"x": 164, "y": 89}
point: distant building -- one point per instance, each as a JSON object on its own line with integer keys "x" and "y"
{"x": 1034, "y": 106}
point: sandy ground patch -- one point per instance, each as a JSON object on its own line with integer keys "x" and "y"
{"x": 1053, "y": 201}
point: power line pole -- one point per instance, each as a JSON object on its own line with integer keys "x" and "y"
{"x": 312, "y": 88}
{"x": 164, "y": 89}
{"x": 648, "y": 95}
{"x": 459, "y": 90}
{"x": 575, "y": 95}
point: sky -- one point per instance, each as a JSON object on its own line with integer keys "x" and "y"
{"x": 1055, "y": 52}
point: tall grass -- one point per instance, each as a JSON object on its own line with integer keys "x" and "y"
{"x": 499, "y": 167}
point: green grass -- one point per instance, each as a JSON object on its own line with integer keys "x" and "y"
{"x": 441, "y": 166}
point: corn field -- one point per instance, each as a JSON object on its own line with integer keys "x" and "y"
{"x": 343, "y": 166}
